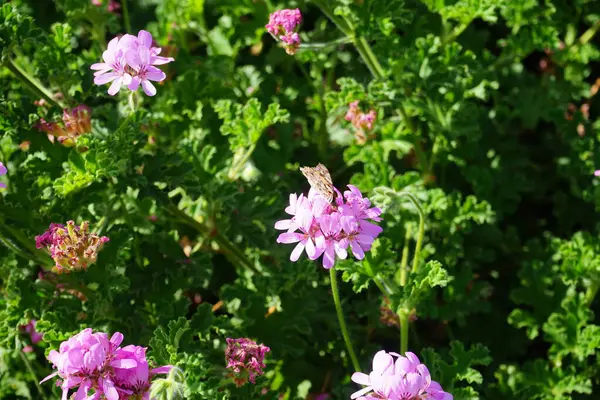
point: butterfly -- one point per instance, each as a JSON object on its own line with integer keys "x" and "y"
{"x": 319, "y": 179}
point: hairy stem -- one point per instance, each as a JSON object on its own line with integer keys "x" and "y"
{"x": 126, "y": 16}
{"x": 404, "y": 260}
{"x": 32, "y": 83}
{"x": 421, "y": 232}
{"x": 403, "y": 331}
{"x": 340, "y": 315}
{"x": 33, "y": 374}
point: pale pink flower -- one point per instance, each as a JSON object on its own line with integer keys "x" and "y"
{"x": 402, "y": 379}
{"x": 114, "y": 68}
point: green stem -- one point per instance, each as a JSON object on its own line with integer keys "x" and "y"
{"x": 590, "y": 294}
{"x": 309, "y": 46}
{"x": 590, "y": 33}
{"x": 340, "y": 315}
{"x": 403, "y": 331}
{"x": 235, "y": 169}
{"x": 32, "y": 83}
{"x": 383, "y": 166}
{"x": 126, "y": 16}
{"x": 235, "y": 255}
{"x": 404, "y": 260}
{"x": 421, "y": 233}
{"x": 33, "y": 375}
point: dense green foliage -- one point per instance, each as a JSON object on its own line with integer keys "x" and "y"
{"x": 485, "y": 114}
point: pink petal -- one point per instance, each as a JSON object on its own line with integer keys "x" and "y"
{"x": 161, "y": 370}
{"x": 155, "y": 74}
{"x": 161, "y": 60}
{"x": 116, "y": 339}
{"x": 328, "y": 257}
{"x": 360, "y": 378}
{"x": 134, "y": 84}
{"x": 126, "y": 363}
{"x": 382, "y": 361}
{"x": 102, "y": 79}
{"x": 110, "y": 392}
{"x": 297, "y": 252}
{"x": 289, "y": 237}
{"x": 49, "y": 377}
{"x": 149, "y": 88}
{"x": 115, "y": 86}
{"x": 100, "y": 66}
{"x": 361, "y": 392}
{"x": 144, "y": 38}
{"x": 283, "y": 224}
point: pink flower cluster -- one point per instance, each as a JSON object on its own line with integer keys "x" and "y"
{"x": 130, "y": 61}
{"x": 282, "y": 25}
{"x": 403, "y": 379}
{"x": 113, "y": 6}
{"x": 246, "y": 358}
{"x": 71, "y": 247}
{"x": 329, "y": 229}
{"x": 34, "y": 335}
{"x": 3, "y": 171}
{"x": 359, "y": 119}
{"x": 76, "y": 122}
{"x": 91, "y": 362}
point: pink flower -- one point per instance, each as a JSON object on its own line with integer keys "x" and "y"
{"x": 596, "y": 173}
{"x": 131, "y": 60}
{"x": 113, "y": 69}
{"x": 282, "y": 25}
{"x": 132, "y": 374}
{"x": 359, "y": 119}
{"x": 402, "y": 379}
{"x": 82, "y": 362}
{"x": 90, "y": 361}
{"x": 329, "y": 229}
{"x": 71, "y": 247}
{"x": 246, "y": 358}
{"x": 140, "y": 61}
{"x": 3, "y": 171}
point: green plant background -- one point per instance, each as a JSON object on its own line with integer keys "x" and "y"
{"x": 486, "y": 114}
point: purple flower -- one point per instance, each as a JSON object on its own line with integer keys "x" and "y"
{"x": 402, "y": 379}
{"x": 129, "y": 61}
{"x": 329, "y": 241}
{"x": 82, "y": 362}
{"x": 140, "y": 61}
{"x": 3, "y": 171}
{"x": 71, "y": 247}
{"x": 329, "y": 229}
{"x": 132, "y": 375}
{"x": 90, "y": 361}
{"x": 113, "y": 69}
{"x": 282, "y": 25}
{"x": 246, "y": 358}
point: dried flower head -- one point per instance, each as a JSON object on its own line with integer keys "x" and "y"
{"x": 75, "y": 122}
{"x": 246, "y": 359}
{"x": 71, "y": 247}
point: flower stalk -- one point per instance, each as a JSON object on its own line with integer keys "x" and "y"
{"x": 32, "y": 83}
{"x": 341, "y": 320}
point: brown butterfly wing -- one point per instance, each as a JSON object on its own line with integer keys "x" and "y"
{"x": 319, "y": 179}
